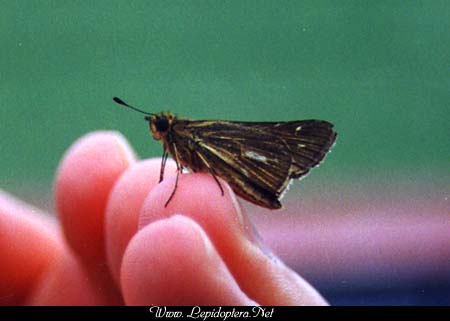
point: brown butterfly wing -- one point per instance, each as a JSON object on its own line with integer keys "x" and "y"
{"x": 256, "y": 159}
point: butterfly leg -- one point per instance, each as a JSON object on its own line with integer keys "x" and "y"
{"x": 163, "y": 165}
{"x": 179, "y": 170}
{"x": 217, "y": 181}
{"x": 211, "y": 171}
{"x": 175, "y": 187}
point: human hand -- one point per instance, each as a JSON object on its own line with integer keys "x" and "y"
{"x": 116, "y": 243}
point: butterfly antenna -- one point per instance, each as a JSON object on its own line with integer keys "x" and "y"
{"x": 121, "y": 102}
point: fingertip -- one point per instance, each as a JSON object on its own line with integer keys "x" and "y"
{"x": 124, "y": 207}
{"x": 29, "y": 242}
{"x": 263, "y": 278}
{"x": 199, "y": 197}
{"x": 173, "y": 262}
{"x": 83, "y": 182}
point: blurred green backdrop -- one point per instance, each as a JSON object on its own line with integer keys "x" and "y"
{"x": 379, "y": 70}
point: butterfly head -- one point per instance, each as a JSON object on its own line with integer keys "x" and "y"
{"x": 160, "y": 124}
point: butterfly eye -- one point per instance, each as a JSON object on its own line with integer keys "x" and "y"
{"x": 162, "y": 124}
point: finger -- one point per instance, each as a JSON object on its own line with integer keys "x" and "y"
{"x": 84, "y": 180}
{"x": 67, "y": 282}
{"x": 124, "y": 207}
{"x": 262, "y": 277}
{"x": 82, "y": 186}
{"x": 37, "y": 267}
{"x": 172, "y": 262}
{"x": 28, "y": 244}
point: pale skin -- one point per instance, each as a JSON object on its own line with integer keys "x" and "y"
{"x": 115, "y": 243}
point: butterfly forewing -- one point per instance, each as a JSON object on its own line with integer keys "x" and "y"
{"x": 256, "y": 159}
{"x": 308, "y": 142}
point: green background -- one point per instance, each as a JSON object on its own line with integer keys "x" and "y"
{"x": 379, "y": 70}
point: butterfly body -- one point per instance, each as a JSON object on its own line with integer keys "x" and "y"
{"x": 257, "y": 159}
